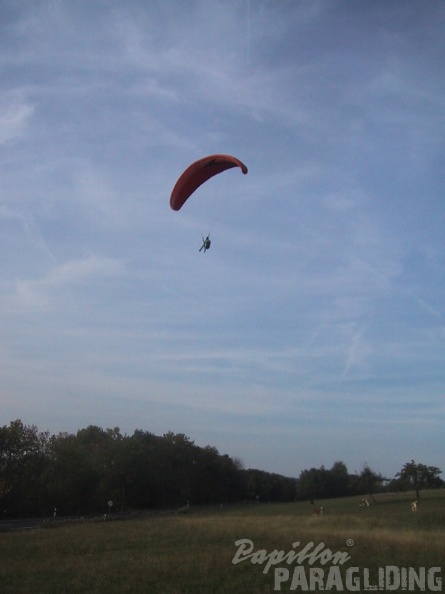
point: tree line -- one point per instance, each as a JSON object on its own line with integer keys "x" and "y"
{"x": 81, "y": 473}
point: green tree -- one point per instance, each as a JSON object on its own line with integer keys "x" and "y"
{"x": 320, "y": 483}
{"x": 85, "y": 471}
{"x": 419, "y": 476}
{"x": 23, "y": 458}
{"x": 313, "y": 484}
{"x": 266, "y": 486}
{"x": 141, "y": 469}
{"x": 72, "y": 478}
{"x": 367, "y": 482}
{"x": 338, "y": 480}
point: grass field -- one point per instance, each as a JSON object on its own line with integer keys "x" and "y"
{"x": 192, "y": 553}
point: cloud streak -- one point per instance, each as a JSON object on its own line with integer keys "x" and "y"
{"x": 15, "y": 112}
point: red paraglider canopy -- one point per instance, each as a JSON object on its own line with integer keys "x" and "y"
{"x": 199, "y": 172}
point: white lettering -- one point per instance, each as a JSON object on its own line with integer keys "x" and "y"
{"x": 281, "y": 575}
{"x": 308, "y": 553}
{"x": 366, "y": 584}
{"x": 389, "y": 579}
{"x": 418, "y": 579}
{"x": 299, "y": 579}
{"x": 339, "y": 558}
{"x": 403, "y": 578}
{"x": 325, "y": 556}
{"x": 274, "y": 558}
{"x": 242, "y": 545}
{"x": 259, "y": 557}
{"x": 334, "y": 579}
{"x": 303, "y": 555}
{"x": 392, "y": 581}
{"x": 352, "y": 583}
{"x": 316, "y": 576}
{"x": 435, "y": 584}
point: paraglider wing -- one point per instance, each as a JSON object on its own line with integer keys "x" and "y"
{"x": 198, "y": 173}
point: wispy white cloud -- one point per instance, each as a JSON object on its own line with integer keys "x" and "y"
{"x": 43, "y": 293}
{"x": 15, "y": 113}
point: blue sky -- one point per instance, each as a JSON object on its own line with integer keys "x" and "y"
{"x": 314, "y": 328}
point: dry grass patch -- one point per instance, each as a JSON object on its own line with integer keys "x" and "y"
{"x": 192, "y": 554}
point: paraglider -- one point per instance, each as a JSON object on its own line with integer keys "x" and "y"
{"x": 205, "y": 244}
{"x": 195, "y": 175}
{"x": 199, "y": 172}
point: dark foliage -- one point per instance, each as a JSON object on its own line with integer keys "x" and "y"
{"x": 78, "y": 474}
{"x": 418, "y": 476}
{"x": 321, "y": 483}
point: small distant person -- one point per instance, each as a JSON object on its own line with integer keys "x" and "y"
{"x": 206, "y": 243}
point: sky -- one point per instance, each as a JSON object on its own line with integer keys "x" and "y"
{"x": 313, "y": 330}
